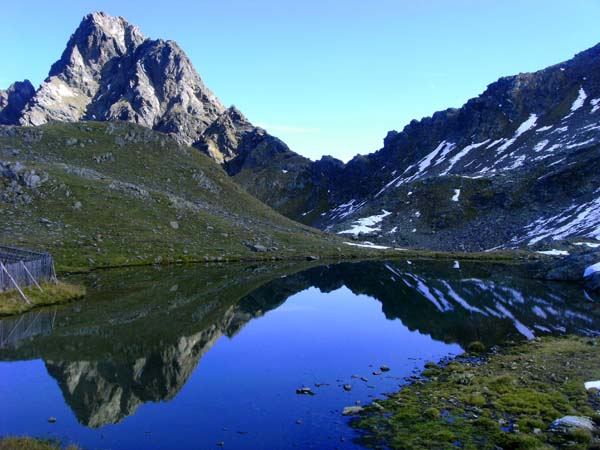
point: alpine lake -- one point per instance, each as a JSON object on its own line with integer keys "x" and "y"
{"x": 257, "y": 356}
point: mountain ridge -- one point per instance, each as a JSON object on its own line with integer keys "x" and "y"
{"x": 497, "y": 149}
{"x": 463, "y": 178}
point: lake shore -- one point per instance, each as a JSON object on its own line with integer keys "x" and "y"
{"x": 506, "y": 398}
{"x": 350, "y": 254}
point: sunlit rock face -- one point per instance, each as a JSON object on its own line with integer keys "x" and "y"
{"x": 110, "y": 71}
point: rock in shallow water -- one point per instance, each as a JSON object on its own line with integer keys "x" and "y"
{"x": 570, "y": 422}
{"x": 352, "y": 410}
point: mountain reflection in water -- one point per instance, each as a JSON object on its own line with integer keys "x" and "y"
{"x": 140, "y": 334}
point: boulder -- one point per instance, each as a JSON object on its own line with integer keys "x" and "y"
{"x": 258, "y": 248}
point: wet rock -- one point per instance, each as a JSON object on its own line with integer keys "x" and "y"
{"x": 258, "y": 248}
{"x": 377, "y": 406}
{"x": 52, "y": 420}
{"x": 352, "y": 410}
{"x": 347, "y": 387}
{"x": 384, "y": 368}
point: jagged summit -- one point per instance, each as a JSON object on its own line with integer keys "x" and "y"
{"x": 110, "y": 71}
{"x": 97, "y": 40}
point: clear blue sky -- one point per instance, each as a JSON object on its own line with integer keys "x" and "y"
{"x": 328, "y": 77}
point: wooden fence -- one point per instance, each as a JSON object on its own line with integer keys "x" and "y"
{"x": 26, "y": 326}
{"x": 21, "y": 268}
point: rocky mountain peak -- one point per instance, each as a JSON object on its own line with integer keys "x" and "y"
{"x": 98, "y": 39}
{"x": 110, "y": 71}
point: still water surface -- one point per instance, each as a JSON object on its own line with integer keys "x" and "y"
{"x": 189, "y": 357}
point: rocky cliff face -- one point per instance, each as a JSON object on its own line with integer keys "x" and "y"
{"x": 111, "y": 71}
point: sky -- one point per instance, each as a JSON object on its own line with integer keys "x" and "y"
{"x": 326, "y": 76}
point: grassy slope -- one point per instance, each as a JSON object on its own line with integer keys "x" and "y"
{"x": 120, "y": 224}
{"x": 524, "y": 387}
{"x": 51, "y": 294}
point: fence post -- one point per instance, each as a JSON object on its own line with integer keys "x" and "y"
{"x": 31, "y": 276}
{"x": 15, "y": 283}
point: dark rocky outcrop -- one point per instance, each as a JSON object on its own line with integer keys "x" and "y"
{"x": 13, "y": 100}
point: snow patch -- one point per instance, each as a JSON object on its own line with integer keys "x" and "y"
{"x": 540, "y": 145}
{"x": 554, "y": 252}
{"x": 456, "y": 195}
{"x": 579, "y": 101}
{"x": 592, "y": 384}
{"x": 366, "y": 224}
{"x": 524, "y": 127}
{"x": 595, "y": 102}
{"x": 367, "y": 244}
{"x": 461, "y": 154}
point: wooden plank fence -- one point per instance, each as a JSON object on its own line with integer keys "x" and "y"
{"x": 20, "y": 268}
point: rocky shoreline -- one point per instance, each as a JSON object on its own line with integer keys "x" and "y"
{"x": 529, "y": 395}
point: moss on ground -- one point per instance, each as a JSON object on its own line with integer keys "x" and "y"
{"x": 11, "y": 302}
{"x": 505, "y": 400}
{"x": 28, "y": 443}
